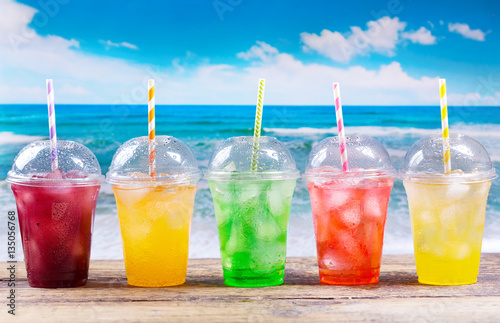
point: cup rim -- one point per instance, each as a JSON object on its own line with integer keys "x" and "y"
{"x": 179, "y": 178}
{"x": 249, "y": 175}
{"x": 439, "y": 178}
{"x": 345, "y": 175}
{"x": 91, "y": 180}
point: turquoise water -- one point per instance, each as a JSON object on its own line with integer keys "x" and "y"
{"x": 102, "y": 128}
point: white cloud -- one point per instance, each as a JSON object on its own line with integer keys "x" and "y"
{"x": 291, "y": 82}
{"x": 422, "y": 36}
{"x": 380, "y": 36}
{"x": 464, "y": 30}
{"x": 261, "y": 50}
{"x": 109, "y": 44}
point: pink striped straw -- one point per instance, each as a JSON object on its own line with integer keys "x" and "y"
{"x": 340, "y": 127}
{"x": 52, "y": 124}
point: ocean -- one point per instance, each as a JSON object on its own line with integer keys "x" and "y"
{"x": 102, "y": 128}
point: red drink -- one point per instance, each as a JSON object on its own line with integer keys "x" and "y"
{"x": 349, "y": 215}
{"x": 56, "y": 223}
{"x": 56, "y": 211}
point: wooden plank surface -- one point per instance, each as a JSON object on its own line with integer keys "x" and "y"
{"x": 398, "y": 297}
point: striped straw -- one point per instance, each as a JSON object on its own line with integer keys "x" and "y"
{"x": 444, "y": 125}
{"x": 258, "y": 123}
{"x": 52, "y": 124}
{"x": 340, "y": 126}
{"x": 151, "y": 128}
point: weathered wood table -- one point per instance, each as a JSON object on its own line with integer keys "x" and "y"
{"x": 204, "y": 297}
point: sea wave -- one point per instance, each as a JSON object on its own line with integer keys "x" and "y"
{"x": 363, "y": 130}
{"x": 472, "y": 130}
{"x": 7, "y": 137}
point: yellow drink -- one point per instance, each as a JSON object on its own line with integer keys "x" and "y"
{"x": 155, "y": 224}
{"x": 447, "y": 223}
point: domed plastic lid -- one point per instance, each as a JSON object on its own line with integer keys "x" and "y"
{"x": 77, "y": 165}
{"x": 233, "y": 158}
{"x": 469, "y": 161}
{"x": 366, "y": 157}
{"x": 175, "y": 162}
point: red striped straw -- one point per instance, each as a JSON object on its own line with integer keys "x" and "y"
{"x": 151, "y": 128}
{"x": 340, "y": 127}
{"x": 52, "y": 124}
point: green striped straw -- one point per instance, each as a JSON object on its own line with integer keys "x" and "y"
{"x": 258, "y": 123}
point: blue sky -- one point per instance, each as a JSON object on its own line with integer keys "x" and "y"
{"x": 213, "y": 52}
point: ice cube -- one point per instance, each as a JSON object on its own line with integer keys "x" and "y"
{"x": 76, "y": 174}
{"x": 279, "y": 196}
{"x": 130, "y": 197}
{"x": 348, "y": 251}
{"x": 139, "y": 175}
{"x": 350, "y": 214}
{"x": 480, "y": 190}
{"x": 141, "y": 228}
{"x": 425, "y": 217}
{"x": 55, "y": 174}
{"x": 337, "y": 198}
{"x": 267, "y": 258}
{"x": 231, "y": 167}
{"x": 267, "y": 229}
{"x": 233, "y": 243}
{"x": 328, "y": 260}
{"x": 447, "y": 217}
{"x": 462, "y": 251}
{"x": 332, "y": 259}
{"x": 457, "y": 191}
{"x": 250, "y": 193}
{"x": 325, "y": 228}
{"x": 177, "y": 213}
{"x": 374, "y": 207}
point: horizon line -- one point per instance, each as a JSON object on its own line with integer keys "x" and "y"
{"x": 252, "y": 105}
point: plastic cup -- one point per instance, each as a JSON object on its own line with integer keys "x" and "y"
{"x": 349, "y": 208}
{"x": 56, "y": 211}
{"x": 252, "y": 209}
{"x": 447, "y": 211}
{"x": 155, "y": 213}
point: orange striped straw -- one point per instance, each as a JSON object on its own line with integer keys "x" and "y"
{"x": 151, "y": 128}
{"x": 444, "y": 125}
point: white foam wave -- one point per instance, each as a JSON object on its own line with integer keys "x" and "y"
{"x": 474, "y": 131}
{"x": 364, "y": 130}
{"x": 7, "y": 137}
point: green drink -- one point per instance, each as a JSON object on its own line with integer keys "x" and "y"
{"x": 252, "y": 210}
{"x": 252, "y": 218}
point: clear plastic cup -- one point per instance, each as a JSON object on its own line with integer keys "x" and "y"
{"x": 349, "y": 208}
{"x": 155, "y": 213}
{"x": 252, "y": 209}
{"x": 56, "y": 211}
{"x": 447, "y": 210}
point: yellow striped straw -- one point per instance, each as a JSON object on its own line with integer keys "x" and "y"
{"x": 258, "y": 124}
{"x": 444, "y": 125}
{"x": 151, "y": 128}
